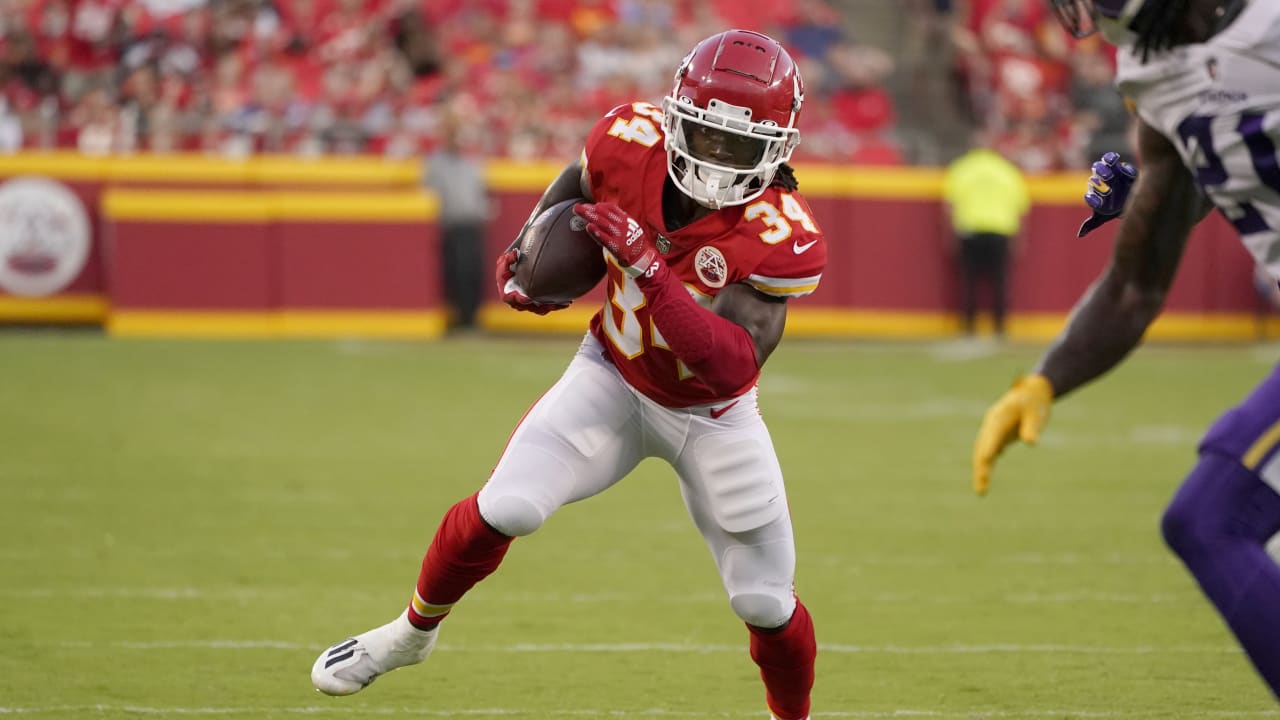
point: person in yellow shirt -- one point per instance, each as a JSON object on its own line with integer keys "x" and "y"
{"x": 986, "y": 197}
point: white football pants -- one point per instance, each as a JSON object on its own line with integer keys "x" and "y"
{"x": 592, "y": 428}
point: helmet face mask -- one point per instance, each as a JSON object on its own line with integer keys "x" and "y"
{"x": 725, "y": 146}
{"x": 729, "y": 121}
{"x": 1110, "y": 18}
{"x": 1075, "y": 16}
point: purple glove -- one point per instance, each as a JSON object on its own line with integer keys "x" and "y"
{"x": 1109, "y": 187}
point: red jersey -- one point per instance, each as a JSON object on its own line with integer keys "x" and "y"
{"x": 771, "y": 243}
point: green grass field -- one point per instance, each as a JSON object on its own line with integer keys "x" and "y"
{"x": 184, "y": 525}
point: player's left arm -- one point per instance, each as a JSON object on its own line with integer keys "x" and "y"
{"x": 570, "y": 184}
{"x": 791, "y": 268}
{"x": 1110, "y": 319}
{"x": 762, "y": 316}
{"x": 725, "y": 346}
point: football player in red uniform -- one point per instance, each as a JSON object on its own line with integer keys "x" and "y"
{"x": 706, "y": 240}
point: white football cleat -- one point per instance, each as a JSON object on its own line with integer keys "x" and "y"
{"x": 349, "y": 667}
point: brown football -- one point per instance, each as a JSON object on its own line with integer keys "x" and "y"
{"x": 559, "y": 262}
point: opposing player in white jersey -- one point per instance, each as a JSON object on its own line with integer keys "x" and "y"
{"x": 706, "y": 240}
{"x": 1204, "y": 78}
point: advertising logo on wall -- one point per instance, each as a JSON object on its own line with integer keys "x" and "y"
{"x": 44, "y": 236}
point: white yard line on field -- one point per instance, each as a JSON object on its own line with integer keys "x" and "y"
{"x": 294, "y": 555}
{"x": 685, "y": 648}
{"x": 355, "y": 710}
{"x": 247, "y": 595}
{"x": 188, "y": 645}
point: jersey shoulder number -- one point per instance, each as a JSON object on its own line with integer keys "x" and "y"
{"x": 625, "y": 132}
{"x": 781, "y": 214}
{"x": 795, "y": 251}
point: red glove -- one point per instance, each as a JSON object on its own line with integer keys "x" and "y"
{"x": 622, "y": 236}
{"x": 511, "y": 292}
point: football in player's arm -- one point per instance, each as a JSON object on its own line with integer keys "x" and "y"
{"x": 1202, "y": 75}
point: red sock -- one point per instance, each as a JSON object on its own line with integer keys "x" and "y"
{"x": 786, "y": 661}
{"x": 464, "y": 551}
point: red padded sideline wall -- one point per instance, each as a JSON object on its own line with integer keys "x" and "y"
{"x": 280, "y": 264}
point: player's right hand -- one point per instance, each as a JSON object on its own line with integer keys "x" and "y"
{"x": 1109, "y": 187}
{"x": 1020, "y": 414}
{"x": 510, "y": 290}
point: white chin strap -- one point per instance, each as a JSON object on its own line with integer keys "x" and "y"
{"x": 713, "y": 188}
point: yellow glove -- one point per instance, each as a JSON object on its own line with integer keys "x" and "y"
{"x": 1020, "y": 413}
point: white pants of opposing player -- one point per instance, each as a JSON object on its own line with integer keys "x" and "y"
{"x": 592, "y": 428}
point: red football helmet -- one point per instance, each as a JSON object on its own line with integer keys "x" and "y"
{"x": 730, "y": 119}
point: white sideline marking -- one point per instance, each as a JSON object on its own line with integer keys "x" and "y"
{"x": 346, "y": 709}
{"x": 836, "y": 648}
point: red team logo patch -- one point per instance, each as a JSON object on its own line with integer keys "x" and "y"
{"x": 711, "y": 267}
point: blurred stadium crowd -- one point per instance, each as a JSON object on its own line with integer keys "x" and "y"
{"x": 526, "y": 78}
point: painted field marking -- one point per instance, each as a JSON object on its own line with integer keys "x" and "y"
{"x": 246, "y": 595}
{"x": 683, "y": 648}
{"x": 355, "y": 710}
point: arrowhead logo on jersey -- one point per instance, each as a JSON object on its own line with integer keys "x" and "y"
{"x": 711, "y": 267}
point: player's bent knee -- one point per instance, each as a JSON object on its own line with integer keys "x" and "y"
{"x": 510, "y": 514}
{"x": 763, "y": 610}
{"x": 1183, "y": 532}
{"x": 1201, "y": 511}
